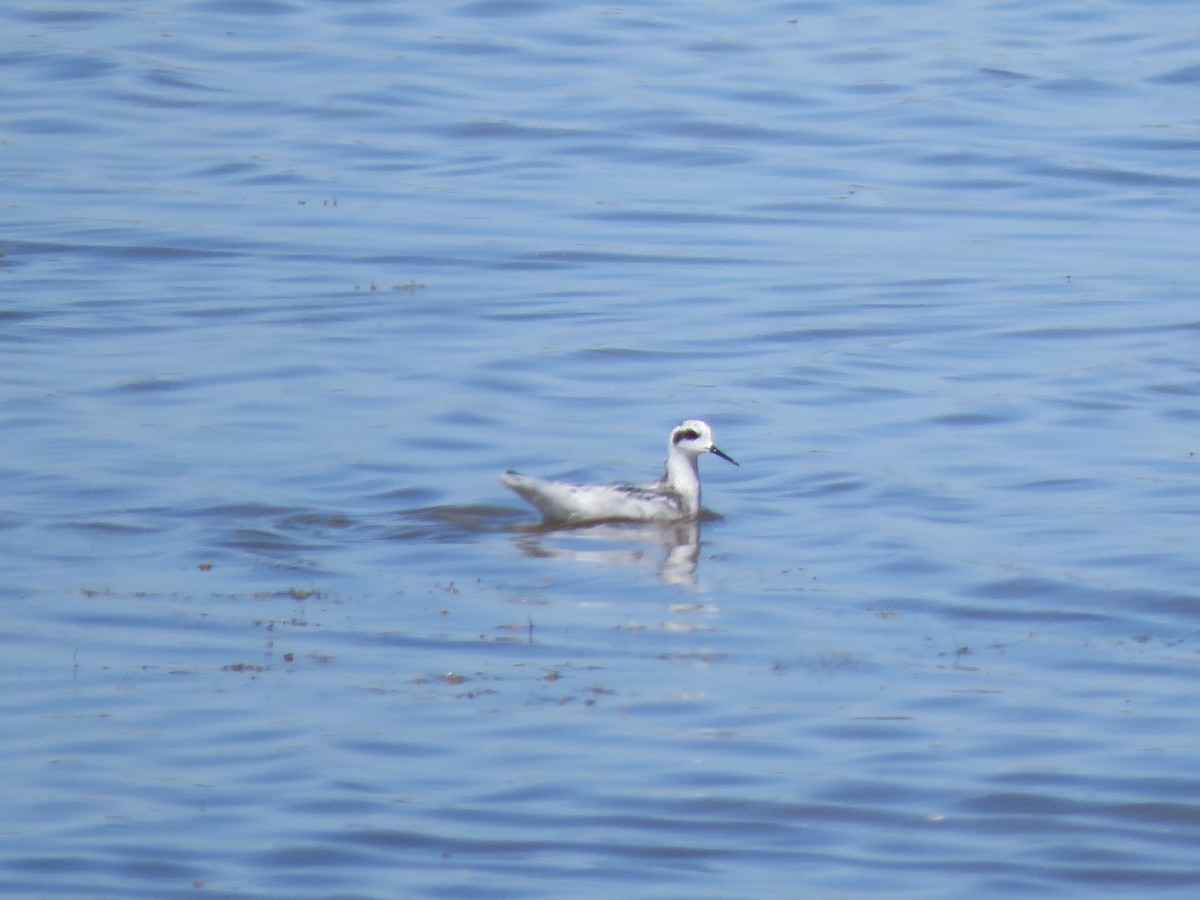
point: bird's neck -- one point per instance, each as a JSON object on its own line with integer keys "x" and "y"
{"x": 684, "y": 478}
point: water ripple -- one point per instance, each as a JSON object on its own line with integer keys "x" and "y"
{"x": 287, "y": 285}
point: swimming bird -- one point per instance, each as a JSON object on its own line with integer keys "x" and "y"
{"x": 672, "y": 498}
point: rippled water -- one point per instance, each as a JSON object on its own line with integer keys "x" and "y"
{"x": 284, "y": 286}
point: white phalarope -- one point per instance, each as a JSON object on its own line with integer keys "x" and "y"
{"x": 674, "y": 497}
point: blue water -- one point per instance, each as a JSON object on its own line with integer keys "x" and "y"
{"x": 285, "y": 285}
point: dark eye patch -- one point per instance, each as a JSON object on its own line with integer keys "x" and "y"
{"x": 685, "y": 434}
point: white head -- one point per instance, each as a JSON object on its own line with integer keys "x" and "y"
{"x": 693, "y": 437}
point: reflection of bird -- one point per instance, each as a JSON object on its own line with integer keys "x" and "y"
{"x": 673, "y": 497}
{"x": 622, "y": 543}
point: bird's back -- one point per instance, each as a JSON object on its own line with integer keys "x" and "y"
{"x": 560, "y": 501}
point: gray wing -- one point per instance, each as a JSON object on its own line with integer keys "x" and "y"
{"x": 560, "y": 501}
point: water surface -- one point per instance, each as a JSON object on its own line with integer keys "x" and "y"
{"x": 285, "y": 285}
